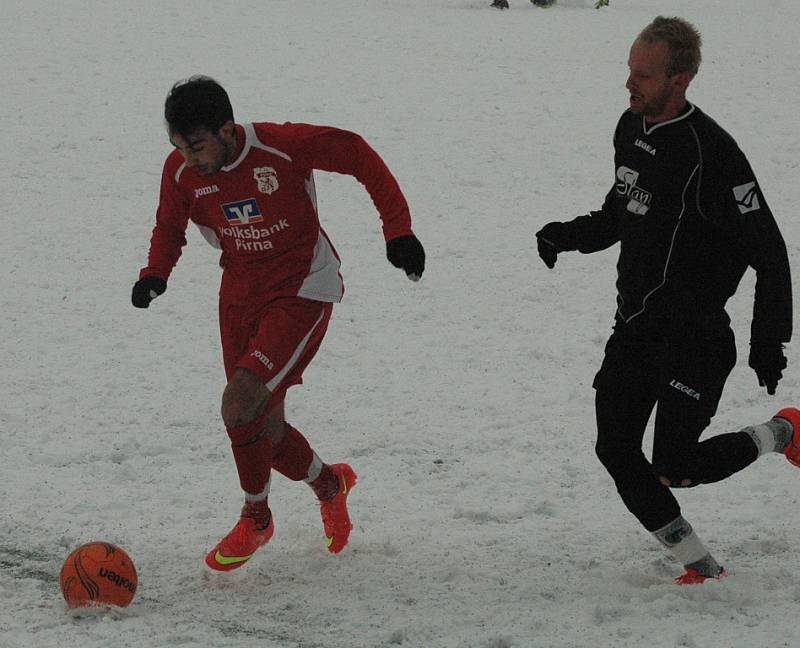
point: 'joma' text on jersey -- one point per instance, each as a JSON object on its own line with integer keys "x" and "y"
{"x": 205, "y": 191}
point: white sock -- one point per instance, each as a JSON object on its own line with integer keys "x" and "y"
{"x": 257, "y": 497}
{"x": 314, "y": 469}
{"x": 771, "y": 436}
{"x": 679, "y": 537}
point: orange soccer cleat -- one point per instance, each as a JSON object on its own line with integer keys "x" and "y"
{"x": 335, "y": 518}
{"x": 792, "y": 449}
{"x": 253, "y": 530}
{"x": 694, "y": 577}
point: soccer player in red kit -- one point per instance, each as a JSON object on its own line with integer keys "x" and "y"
{"x": 250, "y": 190}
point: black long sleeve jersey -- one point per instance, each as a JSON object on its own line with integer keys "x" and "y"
{"x": 690, "y": 218}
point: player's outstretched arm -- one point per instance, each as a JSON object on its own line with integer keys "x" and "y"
{"x": 593, "y": 232}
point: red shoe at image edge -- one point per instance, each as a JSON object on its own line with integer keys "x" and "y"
{"x": 792, "y": 449}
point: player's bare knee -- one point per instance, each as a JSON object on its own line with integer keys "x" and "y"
{"x": 678, "y": 471}
{"x": 676, "y": 483}
{"x": 243, "y": 399}
{"x": 236, "y": 413}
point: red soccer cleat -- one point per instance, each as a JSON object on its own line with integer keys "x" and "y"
{"x": 334, "y": 511}
{"x": 693, "y": 577}
{"x": 792, "y": 449}
{"x": 253, "y": 530}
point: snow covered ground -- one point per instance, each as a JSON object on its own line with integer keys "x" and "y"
{"x": 464, "y": 402}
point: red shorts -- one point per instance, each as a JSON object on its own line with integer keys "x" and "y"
{"x": 275, "y": 341}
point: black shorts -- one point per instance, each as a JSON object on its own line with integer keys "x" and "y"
{"x": 685, "y": 377}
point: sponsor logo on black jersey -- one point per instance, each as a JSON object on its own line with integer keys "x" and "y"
{"x": 242, "y": 212}
{"x": 639, "y": 199}
{"x": 746, "y": 197}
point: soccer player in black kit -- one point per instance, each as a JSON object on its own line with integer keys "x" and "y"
{"x": 690, "y": 218}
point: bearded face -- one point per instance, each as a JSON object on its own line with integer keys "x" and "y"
{"x": 653, "y": 92}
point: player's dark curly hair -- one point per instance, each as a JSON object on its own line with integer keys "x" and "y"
{"x": 682, "y": 39}
{"x": 196, "y": 103}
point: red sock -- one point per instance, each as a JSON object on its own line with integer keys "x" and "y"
{"x": 326, "y": 485}
{"x": 293, "y": 458}
{"x": 252, "y": 452}
{"x": 293, "y": 455}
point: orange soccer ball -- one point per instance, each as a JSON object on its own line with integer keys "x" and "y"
{"x": 98, "y": 573}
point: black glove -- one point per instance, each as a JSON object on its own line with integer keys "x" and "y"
{"x": 406, "y": 252}
{"x": 768, "y": 361}
{"x": 146, "y": 290}
{"x": 547, "y": 243}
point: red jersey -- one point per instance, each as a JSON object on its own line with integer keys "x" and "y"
{"x": 261, "y": 210}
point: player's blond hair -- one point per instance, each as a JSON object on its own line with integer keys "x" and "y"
{"x": 682, "y": 39}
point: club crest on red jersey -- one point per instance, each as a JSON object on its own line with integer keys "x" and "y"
{"x": 242, "y": 212}
{"x": 267, "y": 179}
